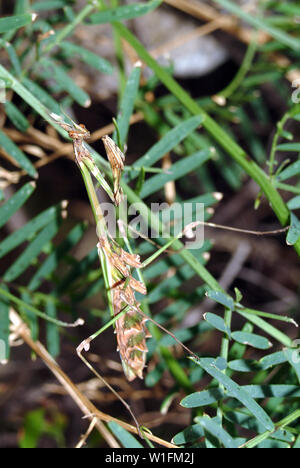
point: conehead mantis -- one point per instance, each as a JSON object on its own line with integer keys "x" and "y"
{"x": 117, "y": 264}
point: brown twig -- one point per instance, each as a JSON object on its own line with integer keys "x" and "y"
{"x": 86, "y": 406}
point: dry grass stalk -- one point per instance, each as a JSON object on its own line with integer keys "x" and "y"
{"x": 86, "y": 406}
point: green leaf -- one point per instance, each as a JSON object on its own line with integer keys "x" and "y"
{"x": 216, "y": 430}
{"x": 189, "y": 434}
{"x": 176, "y": 171}
{"x": 272, "y": 391}
{"x": 221, "y": 298}
{"x": 244, "y": 365}
{"x": 12, "y": 56}
{"x": 32, "y": 251}
{"x": 154, "y": 376}
{"x": 52, "y": 261}
{"x": 169, "y": 141}
{"x": 17, "y": 118}
{"x": 127, "y": 104}
{"x": 42, "y": 96}
{"x": 77, "y": 270}
{"x": 273, "y": 359}
{"x": 13, "y": 150}
{"x": 273, "y": 444}
{"x": 251, "y": 339}
{"x": 260, "y": 23}
{"x": 288, "y": 147}
{"x": 49, "y": 68}
{"x": 34, "y": 426}
{"x": 15, "y": 202}
{"x": 4, "y": 328}
{"x": 203, "y": 398}
{"x": 124, "y": 436}
{"x": 294, "y": 203}
{"x": 266, "y": 327}
{"x": 52, "y": 331}
{"x": 217, "y": 322}
{"x": 290, "y": 171}
{"x": 124, "y": 12}
{"x": 236, "y": 391}
{"x": 94, "y": 60}
{"x": 30, "y": 229}
{"x": 293, "y": 357}
{"x": 11, "y": 23}
{"x": 294, "y": 231}
{"x": 48, "y": 5}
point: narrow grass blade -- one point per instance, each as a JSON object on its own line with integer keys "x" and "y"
{"x": 31, "y": 317}
{"x": 52, "y": 331}
{"x": 14, "y": 151}
{"x": 4, "y": 329}
{"x": 14, "y": 59}
{"x": 15, "y": 202}
{"x": 77, "y": 270}
{"x": 273, "y": 391}
{"x": 11, "y": 23}
{"x": 218, "y": 134}
{"x": 16, "y": 117}
{"x": 52, "y": 261}
{"x": 266, "y": 327}
{"x": 176, "y": 171}
{"x": 46, "y": 5}
{"x": 293, "y": 358}
{"x": 32, "y": 251}
{"x": 72, "y": 50}
{"x": 288, "y": 147}
{"x": 260, "y": 23}
{"x": 127, "y": 104}
{"x": 45, "y": 98}
{"x": 291, "y": 171}
{"x": 29, "y": 230}
{"x": 236, "y": 391}
{"x": 124, "y": 12}
{"x": 48, "y": 68}
{"x": 169, "y": 141}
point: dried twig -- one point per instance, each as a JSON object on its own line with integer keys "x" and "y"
{"x": 86, "y": 406}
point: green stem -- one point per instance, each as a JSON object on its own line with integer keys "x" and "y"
{"x": 64, "y": 32}
{"x": 218, "y": 134}
{"x": 243, "y": 70}
{"x": 37, "y": 312}
{"x": 280, "y": 425}
{"x": 287, "y": 187}
{"x": 280, "y": 127}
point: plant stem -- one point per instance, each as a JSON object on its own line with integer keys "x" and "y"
{"x": 280, "y": 425}
{"x": 219, "y": 135}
